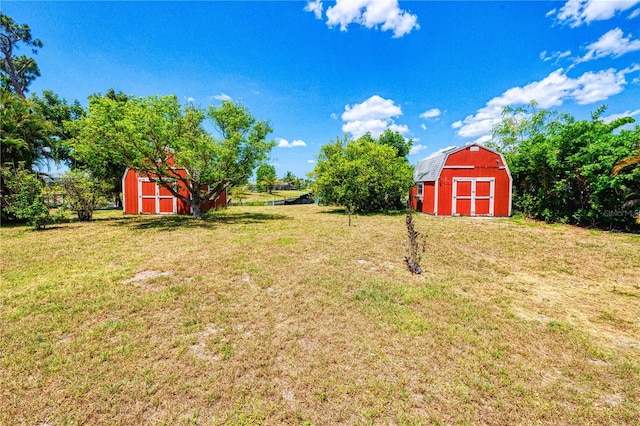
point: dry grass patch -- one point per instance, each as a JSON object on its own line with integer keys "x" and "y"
{"x": 272, "y": 315}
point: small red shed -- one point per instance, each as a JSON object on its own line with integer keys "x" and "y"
{"x": 469, "y": 181}
{"x": 142, "y": 195}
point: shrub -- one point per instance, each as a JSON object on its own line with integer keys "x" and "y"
{"x": 22, "y": 198}
{"x": 84, "y": 193}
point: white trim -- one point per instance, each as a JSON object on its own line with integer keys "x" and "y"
{"x": 473, "y": 197}
{"x": 156, "y": 196}
{"x": 458, "y": 167}
{"x": 420, "y": 190}
{"x": 435, "y": 195}
{"x": 124, "y": 193}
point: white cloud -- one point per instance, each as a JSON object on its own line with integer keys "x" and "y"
{"x": 311, "y": 161}
{"x": 579, "y": 12}
{"x": 431, "y": 113}
{"x": 383, "y": 14}
{"x": 612, "y": 117}
{"x": 612, "y": 43}
{"x": 546, "y": 56}
{"x": 634, "y": 14}
{"x": 222, "y": 97}
{"x": 283, "y": 143}
{"x": 417, "y": 148}
{"x": 334, "y": 116}
{"x": 483, "y": 139}
{"x": 315, "y": 7}
{"x": 191, "y": 99}
{"x": 423, "y": 126}
{"x": 551, "y": 91}
{"x": 374, "y": 115}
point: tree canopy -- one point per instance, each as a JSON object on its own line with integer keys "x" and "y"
{"x": 148, "y": 134}
{"x": 363, "y": 175}
{"x": 16, "y": 72}
{"x": 563, "y": 168}
{"x": 266, "y": 178}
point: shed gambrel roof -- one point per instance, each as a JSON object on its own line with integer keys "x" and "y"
{"x": 429, "y": 168}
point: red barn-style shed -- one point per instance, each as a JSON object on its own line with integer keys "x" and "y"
{"x": 142, "y": 195}
{"x": 469, "y": 181}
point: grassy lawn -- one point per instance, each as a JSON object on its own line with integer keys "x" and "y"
{"x": 253, "y": 197}
{"x": 284, "y": 315}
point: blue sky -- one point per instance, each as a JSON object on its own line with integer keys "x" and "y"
{"x": 439, "y": 72}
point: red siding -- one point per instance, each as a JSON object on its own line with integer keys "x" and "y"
{"x": 426, "y": 203}
{"x": 165, "y": 202}
{"x": 467, "y": 170}
{"x": 130, "y": 192}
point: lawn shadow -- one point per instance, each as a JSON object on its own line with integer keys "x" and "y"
{"x": 343, "y": 211}
{"x": 210, "y": 221}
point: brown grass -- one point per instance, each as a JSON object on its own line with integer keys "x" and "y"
{"x": 285, "y": 315}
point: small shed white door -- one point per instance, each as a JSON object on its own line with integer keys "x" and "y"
{"x": 154, "y": 199}
{"x": 473, "y": 196}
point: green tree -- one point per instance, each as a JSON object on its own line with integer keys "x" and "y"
{"x": 292, "y": 180}
{"x": 397, "y": 141}
{"x": 147, "y": 134}
{"x": 54, "y": 109}
{"x": 32, "y": 130}
{"x": 239, "y": 192}
{"x": 269, "y": 182}
{"x": 16, "y": 72}
{"x": 94, "y": 154}
{"x": 22, "y": 197}
{"x": 83, "y": 193}
{"x": 266, "y": 178}
{"x": 562, "y": 167}
{"x": 25, "y": 135}
{"x": 361, "y": 175}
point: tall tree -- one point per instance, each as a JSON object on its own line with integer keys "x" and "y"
{"x": 148, "y": 134}
{"x": 92, "y": 155}
{"x": 397, "y": 141}
{"x": 57, "y": 111}
{"x": 17, "y": 72}
{"x": 562, "y": 167}
{"x": 266, "y": 178}
{"x": 26, "y": 135}
{"x": 362, "y": 175}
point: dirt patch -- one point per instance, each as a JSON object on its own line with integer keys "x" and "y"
{"x": 144, "y": 279}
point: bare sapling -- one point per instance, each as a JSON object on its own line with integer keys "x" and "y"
{"x": 416, "y": 246}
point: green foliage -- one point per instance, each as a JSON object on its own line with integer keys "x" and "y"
{"x": 362, "y": 175}
{"x": 32, "y": 130}
{"x": 292, "y": 180}
{"x": 397, "y": 141}
{"x": 16, "y": 72}
{"x": 25, "y": 134}
{"x": 84, "y": 193}
{"x": 266, "y": 178}
{"x": 56, "y": 111}
{"x": 94, "y": 151}
{"x": 238, "y": 193}
{"x": 155, "y": 135}
{"x": 392, "y": 139}
{"x": 22, "y": 198}
{"x": 562, "y": 167}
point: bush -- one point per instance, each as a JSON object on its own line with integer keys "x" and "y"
{"x": 22, "y": 198}
{"x": 84, "y": 193}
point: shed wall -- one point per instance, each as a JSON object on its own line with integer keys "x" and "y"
{"x": 475, "y": 164}
{"x": 131, "y": 197}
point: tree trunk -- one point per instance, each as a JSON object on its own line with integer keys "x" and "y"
{"x": 196, "y": 210}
